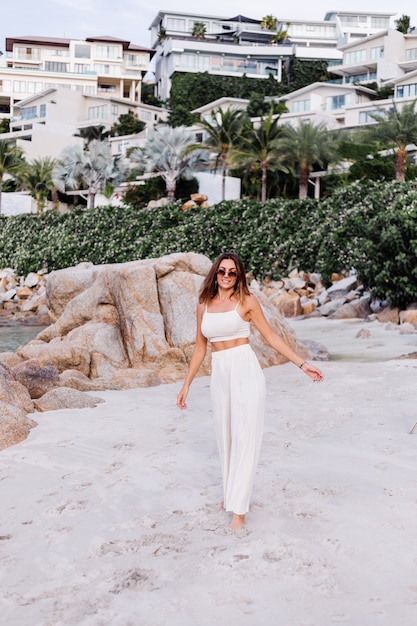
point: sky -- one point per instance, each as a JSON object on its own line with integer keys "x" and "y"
{"x": 130, "y": 19}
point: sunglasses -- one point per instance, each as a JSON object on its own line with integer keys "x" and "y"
{"x": 231, "y": 273}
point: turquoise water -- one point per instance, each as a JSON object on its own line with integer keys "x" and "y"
{"x": 11, "y": 337}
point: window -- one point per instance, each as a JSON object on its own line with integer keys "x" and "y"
{"x": 107, "y": 70}
{"x": 81, "y": 68}
{"x": 353, "y": 20}
{"x": 27, "y": 54}
{"x": 42, "y": 110}
{"x": 377, "y": 53}
{"x": 358, "y": 78}
{"x": 175, "y": 24}
{"x": 355, "y": 57}
{"x": 34, "y": 87}
{"x": 98, "y": 113}
{"x": 300, "y": 106}
{"x": 380, "y": 22}
{"x": 107, "y": 88}
{"x": 6, "y": 86}
{"x": 204, "y": 62}
{"x": 19, "y": 86}
{"x": 145, "y": 116}
{"x": 365, "y": 117}
{"x": 28, "y": 113}
{"x": 136, "y": 60}
{"x": 56, "y": 52}
{"x": 188, "y": 61}
{"x": 82, "y": 51}
{"x": 56, "y": 66}
{"x": 114, "y": 112}
{"x": 89, "y": 90}
{"x": 337, "y": 102}
{"x": 405, "y": 91}
{"x": 109, "y": 52}
{"x": 411, "y": 55}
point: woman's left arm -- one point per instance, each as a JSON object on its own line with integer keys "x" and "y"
{"x": 260, "y": 322}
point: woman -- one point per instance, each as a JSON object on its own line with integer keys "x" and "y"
{"x": 224, "y": 313}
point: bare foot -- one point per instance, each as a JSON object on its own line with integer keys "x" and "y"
{"x": 238, "y": 522}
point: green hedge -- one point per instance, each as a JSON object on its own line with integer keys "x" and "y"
{"x": 371, "y": 228}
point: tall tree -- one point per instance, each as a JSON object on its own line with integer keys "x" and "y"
{"x": 403, "y": 25}
{"x": 92, "y": 168}
{"x": 260, "y": 148}
{"x": 397, "y": 129}
{"x": 36, "y": 177}
{"x": 306, "y": 145}
{"x": 165, "y": 152}
{"x": 223, "y": 131}
{"x": 11, "y": 160}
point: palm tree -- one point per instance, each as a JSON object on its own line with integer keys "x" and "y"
{"x": 223, "y": 133}
{"x": 307, "y": 145}
{"x": 260, "y": 148}
{"x": 91, "y": 133}
{"x": 269, "y": 22}
{"x": 92, "y": 168}
{"x": 396, "y": 128}
{"x": 403, "y": 25}
{"x": 11, "y": 160}
{"x": 36, "y": 177}
{"x": 165, "y": 153}
{"x": 199, "y": 30}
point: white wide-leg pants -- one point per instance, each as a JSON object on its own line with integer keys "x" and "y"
{"x": 238, "y": 401}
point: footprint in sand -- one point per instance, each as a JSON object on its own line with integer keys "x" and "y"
{"x": 114, "y": 467}
{"x": 124, "y": 446}
{"x": 135, "y": 579}
{"x": 68, "y": 507}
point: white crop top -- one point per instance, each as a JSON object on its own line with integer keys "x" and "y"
{"x": 224, "y": 326}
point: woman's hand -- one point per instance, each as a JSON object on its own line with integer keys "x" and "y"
{"x": 315, "y": 374}
{"x": 181, "y": 403}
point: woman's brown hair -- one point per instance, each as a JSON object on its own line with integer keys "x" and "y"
{"x": 210, "y": 287}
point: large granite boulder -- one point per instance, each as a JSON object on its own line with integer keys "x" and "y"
{"x": 13, "y": 392}
{"x": 66, "y": 398}
{"x": 37, "y": 379}
{"x": 14, "y": 425}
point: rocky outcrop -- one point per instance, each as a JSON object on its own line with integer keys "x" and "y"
{"x": 13, "y": 392}
{"x": 15, "y": 404}
{"x": 64, "y": 398}
{"x": 303, "y": 293}
{"x": 14, "y": 425}
{"x": 37, "y": 379}
{"x": 23, "y": 299}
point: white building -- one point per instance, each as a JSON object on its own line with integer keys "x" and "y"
{"x": 92, "y": 67}
{"x": 45, "y": 123}
{"x": 239, "y": 45}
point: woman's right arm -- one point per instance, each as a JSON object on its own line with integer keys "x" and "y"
{"x": 196, "y": 360}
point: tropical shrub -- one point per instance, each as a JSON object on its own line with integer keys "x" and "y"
{"x": 370, "y": 228}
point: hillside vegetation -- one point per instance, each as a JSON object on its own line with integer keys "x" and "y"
{"x": 370, "y": 228}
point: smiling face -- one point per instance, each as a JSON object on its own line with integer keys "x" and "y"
{"x": 227, "y": 274}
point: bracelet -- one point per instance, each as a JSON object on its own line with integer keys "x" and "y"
{"x": 301, "y": 366}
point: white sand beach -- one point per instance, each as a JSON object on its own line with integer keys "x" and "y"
{"x": 109, "y": 516}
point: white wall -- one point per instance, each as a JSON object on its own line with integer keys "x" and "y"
{"x": 211, "y": 186}
{"x": 17, "y": 203}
